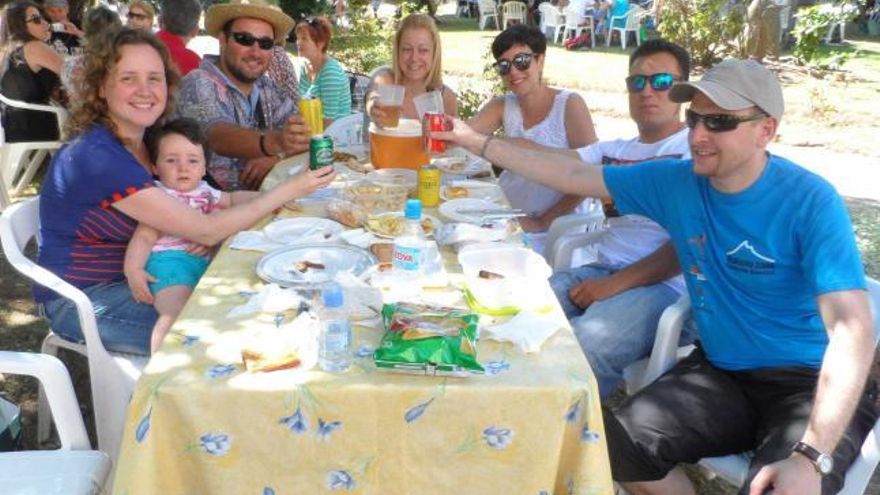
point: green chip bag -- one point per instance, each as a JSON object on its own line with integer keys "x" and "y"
{"x": 429, "y": 340}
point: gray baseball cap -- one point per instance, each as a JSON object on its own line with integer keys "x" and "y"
{"x": 735, "y": 84}
{"x": 55, "y": 3}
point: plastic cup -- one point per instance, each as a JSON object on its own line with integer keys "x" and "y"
{"x": 390, "y": 101}
{"x": 430, "y": 102}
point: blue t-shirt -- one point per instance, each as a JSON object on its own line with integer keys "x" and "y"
{"x": 84, "y": 237}
{"x": 754, "y": 261}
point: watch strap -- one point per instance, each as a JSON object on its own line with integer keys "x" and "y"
{"x": 810, "y": 453}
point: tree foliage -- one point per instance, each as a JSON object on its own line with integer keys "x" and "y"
{"x": 810, "y": 28}
{"x": 708, "y": 29}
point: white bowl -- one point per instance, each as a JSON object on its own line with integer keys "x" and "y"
{"x": 524, "y": 275}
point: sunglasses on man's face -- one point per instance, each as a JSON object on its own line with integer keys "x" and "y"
{"x": 37, "y": 19}
{"x": 522, "y": 62}
{"x": 247, "y": 39}
{"x": 138, "y": 17}
{"x": 719, "y": 122}
{"x": 661, "y": 81}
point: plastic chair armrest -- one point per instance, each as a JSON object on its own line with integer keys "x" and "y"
{"x": 565, "y": 246}
{"x": 663, "y": 355}
{"x": 59, "y": 390}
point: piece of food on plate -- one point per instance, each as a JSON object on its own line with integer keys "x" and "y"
{"x": 390, "y": 225}
{"x": 454, "y": 192}
{"x": 305, "y": 265}
{"x": 341, "y": 156}
{"x": 383, "y": 251}
{"x": 264, "y": 360}
{"x": 427, "y": 226}
{"x": 489, "y": 275}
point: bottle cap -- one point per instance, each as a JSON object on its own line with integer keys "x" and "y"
{"x": 332, "y": 296}
{"x": 413, "y": 209}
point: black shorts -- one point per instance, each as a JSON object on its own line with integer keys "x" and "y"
{"x": 696, "y": 410}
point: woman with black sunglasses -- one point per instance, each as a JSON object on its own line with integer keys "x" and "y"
{"x": 536, "y": 113}
{"x": 29, "y": 70}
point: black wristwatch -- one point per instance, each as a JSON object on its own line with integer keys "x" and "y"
{"x": 822, "y": 462}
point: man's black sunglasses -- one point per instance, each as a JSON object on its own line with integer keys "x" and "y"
{"x": 661, "y": 81}
{"x": 522, "y": 61}
{"x": 719, "y": 122}
{"x": 247, "y": 39}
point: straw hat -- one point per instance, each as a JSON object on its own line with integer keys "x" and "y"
{"x": 219, "y": 14}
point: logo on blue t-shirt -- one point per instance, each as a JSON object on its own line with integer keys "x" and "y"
{"x": 745, "y": 258}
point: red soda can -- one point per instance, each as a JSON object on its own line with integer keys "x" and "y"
{"x": 434, "y": 122}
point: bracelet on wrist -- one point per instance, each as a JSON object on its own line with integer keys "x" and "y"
{"x": 263, "y": 149}
{"x": 486, "y": 145}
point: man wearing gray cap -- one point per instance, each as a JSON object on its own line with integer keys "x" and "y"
{"x": 777, "y": 289}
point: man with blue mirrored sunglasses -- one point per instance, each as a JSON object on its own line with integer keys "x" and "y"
{"x": 776, "y": 287}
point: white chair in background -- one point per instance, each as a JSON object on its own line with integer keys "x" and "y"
{"x": 488, "y": 9}
{"x": 513, "y": 11}
{"x": 74, "y": 469}
{"x": 551, "y": 18}
{"x": 569, "y": 233}
{"x": 346, "y": 131}
{"x": 575, "y": 22}
{"x": 20, "y": 161}
{"x": 112, "y": 375}
{"x": 632, "y": 23}
{"x": 734, "y": 468}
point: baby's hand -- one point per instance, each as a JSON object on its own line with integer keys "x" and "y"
{"x": 138, "y": 283}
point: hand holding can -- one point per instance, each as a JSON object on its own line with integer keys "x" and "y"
{"x": 433, "y": 122}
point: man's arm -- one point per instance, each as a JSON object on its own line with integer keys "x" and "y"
{"x": 562, "y": 172}
{"x": 845, "y": 367}
{"x": 652, "y": 269}
{"x": 241, "y": 142}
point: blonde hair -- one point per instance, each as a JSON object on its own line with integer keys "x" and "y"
{"x": 100, "y": 58}
{"x": 419, "y": 21}
{"x": 147, "y": 7}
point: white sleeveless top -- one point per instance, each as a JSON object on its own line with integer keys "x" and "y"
{"x": 531, "y": 197}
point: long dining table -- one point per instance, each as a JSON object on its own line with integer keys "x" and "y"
{"x": 200, "y": 423}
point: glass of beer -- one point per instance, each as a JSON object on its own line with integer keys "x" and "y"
{"x": 390, "y": 102}
{"x": 312, "y": 114}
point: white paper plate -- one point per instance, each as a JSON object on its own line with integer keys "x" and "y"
{"x": 476, "y": 190}
{"x": 291, "y": 230}
{"x": 458, "y": 161}
{"x": 434, "y": 221}
{"x": 450, "y": 209}
{"x": 278, "y": 266}
{"x": 402, "y": 176}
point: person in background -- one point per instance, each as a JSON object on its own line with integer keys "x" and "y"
{"x": 99, "y": 188}
{"x": 162, "y": 269}
{"x": 29, "y": 70}
{"x": 416, "y": 65}
{"x": 533, "y": 111}
{"x": 250, "y": 122}
{"x": 179, "y": 23}
{"x": 321, "y": 76}
{"x": 65, "y": 41}
{"x": 141, "y": 15}
{"x": 99, "y": 23}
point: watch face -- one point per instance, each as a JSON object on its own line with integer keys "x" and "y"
{"x": 825, "y": 464}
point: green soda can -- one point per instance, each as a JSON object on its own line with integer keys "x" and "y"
{"x": 320, "y": 152}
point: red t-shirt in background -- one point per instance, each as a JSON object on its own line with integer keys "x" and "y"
{"x": 185, "y": 58}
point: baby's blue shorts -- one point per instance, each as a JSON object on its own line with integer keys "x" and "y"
{"x": 174, "y": 267}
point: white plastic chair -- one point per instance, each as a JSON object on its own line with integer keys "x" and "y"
{"x": 568, "y": 233}
{"x": 20, "y": 161}
{"x": 551, "y": 18}
{"x": 74, "y": 469}
{"x": 488, "y": 9}
{"x": 575, "y": 22}
{"x": 632, "y": 24}
{"x": 734, "y": 468}
{"x": 112, "y": 375}
{"x": 513, "y": 11}
{"x": 345, "y": 131}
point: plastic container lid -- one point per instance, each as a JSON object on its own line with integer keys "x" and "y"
{"x": 406, "y": 128}
{"x": 332, "y": 296}
{"x": 413, "y": 209}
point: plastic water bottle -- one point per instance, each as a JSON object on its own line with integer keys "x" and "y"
{"x": 409, "y": 247}
{"x": 334, "y": 353}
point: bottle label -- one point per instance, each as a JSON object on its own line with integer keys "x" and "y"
{"x": 408, "y": 258}
{"x": 336, "y": 337}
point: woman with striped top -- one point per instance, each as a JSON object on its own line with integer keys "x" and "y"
{"x": 322, "y": 76}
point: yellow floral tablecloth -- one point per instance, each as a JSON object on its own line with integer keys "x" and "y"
{"x": 198, "y": 423}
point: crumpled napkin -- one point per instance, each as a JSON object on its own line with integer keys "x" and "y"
{"x": 271, "y": 298}
{"x": 457, "y": 233}
{"x": 527, "y": 330}
{"x": 360, "y": 301}
{"x": 253, "y": 240}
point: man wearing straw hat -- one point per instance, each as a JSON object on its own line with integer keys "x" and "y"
{"x": 776, "y": 286}
{"x": 249, "y": 123}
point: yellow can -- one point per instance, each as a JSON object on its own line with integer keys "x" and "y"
{"x": 429, "y": 185}
{"x": 311, "y": 112}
